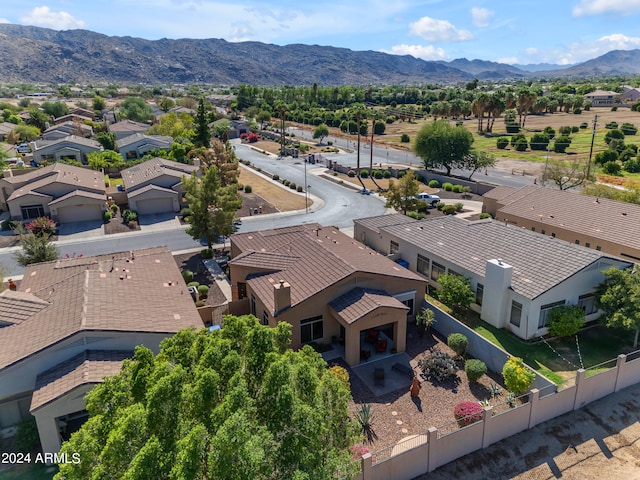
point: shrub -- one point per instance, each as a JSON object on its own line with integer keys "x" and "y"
{"x": 404, "y": 138}
{"x": 447, "y": 186}
{"x": 286, "y": 183}
{"x": 200, "y": 303}
{"x": 458, "y": 343}
{"x": 521, "y": 145}
{"x": 299, "y": 188}
{"x": 247, "y": 189}
{"x": 611, "y": 134}
{"x": 440, "y": 205}
{"x": 516, "y": 138}
{"x": 133, "y": 224}
{"x": 611, "y": 125}
{"x": 193, "y": 284}
{"x": 351, "y": 173}
{"x": 342, "y": 374}
{"x": 484, "y": 215}
{"x": 438, "y": 365}
{"x": 467, "y": 413}
{"x": 187, "y": 275}
{"x": 549, "y": 132}
{"x": 474, "y": 369}
{"x": 130, "y": 216}
{"x": 611, "y": 168}
{"x": 434, "y": 184}
{"x": 565, "y": 321}
{"x": 114, "y": 208}
{"x": 502, "y": 143}
{"x": 387, "y": 174}
{"x": 106, "y": 216}
{"x": 584, "y": 125}
{"x": 42, "y": 226}
{"x": 203, "y": 291}
{"x": 240, "y": 186}
{"x": 466, "y": 189}
{"x": 412, "y": 215}
{"x": 449, "y": 209}
{"x": 27, "y": 438}
{"x": 8, "y": 224}
{"x": 206, "y": 253}
{"x": 512, "y": 128}
{"x": 632, "y": 166}
{"x": 628, "y": 128}
{"x": 539, "y": 141}
{"x": 458, "y": 206}
{"x": 276, "y": 177}
{"x": 606, "y": 156}
{"x": 364, "y": 173}
{"x": 517, "y": 376}
{"x": 401, "y": 174}
{"x": 565, "y": 130}
{"x": 292, "y": 186}
{"x": 185, "y": 212}
{"x": 378, "y": 174}
{"x": 456, "y": 188}
{"x": 561, "y": 144}
{"x": 614, "y": 109}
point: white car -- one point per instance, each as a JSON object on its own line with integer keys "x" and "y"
{"x": 427, "y": 197}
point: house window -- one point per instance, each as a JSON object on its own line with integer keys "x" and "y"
{"x": 553, "y": 235}
{"x": 30, "y": 212}
{"x": 533, "y": 229}
{"x": 516, "y": 313}
{"x": 311, "y": 329}
{"x": 393, "y": 247}
{"x": 132, "y": 155}
{"x": 453, "y": 272}
{"x": 479, "y": 293}
{"x": 253, "y": 305}
{"x": 265, "y": 318}
{"x": 577, "y": 242}
{"x": 436, "y": 271}
{"x": 423, "y": 265}
{"x": 542, "y": 231}
{"x": 587, "y": 303}
{"x": 588, "y": 245}
{"x": 242, "y": 290}
{"x": 408, "y": 303}
{"x": 545, "y": 310}
{"x": 598, "y": 247}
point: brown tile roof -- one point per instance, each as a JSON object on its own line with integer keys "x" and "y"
{"x": 73, "y": 139}
{"x": 499, "y": 192}
{"x": 16, "y": 307}
{"x": 609, "y": 220}
{"x": 79, "y": 193}
{"x": 105, "y": 293}
{"x": 376, "y": 223}
{"x": 265, "y": 260}
{"x": 160, "y": 140}
{"x": 155, "y": 168}
{"x": 89, "y": 367}
{"x": 325, "y": 256}
{"x": 359, "y": 302}
{"x": 128, "y": 126}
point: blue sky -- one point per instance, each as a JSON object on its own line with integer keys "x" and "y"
{"x": 554, "y": 31}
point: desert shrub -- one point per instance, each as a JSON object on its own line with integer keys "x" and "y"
{"x": 447, "y": 186}
{"x": 458, "y": 206}
{"x": 248, "y": 189}
{"x": 186, "y": 212}
{"x": 611, "y": 125}
{"x": 484, "y": 215}
{"x": 351, "y": 173}
{"x": 276, "y": 177}
{"x": 387, "y": 174}
{"x": 565, "y": 130}
{"x": 456, "y": 188}
{"x": 106, "y": 216}
{"x": 292, "y": 186}
{"x": 438, "y": 366}
{"x": 614, "y": 109}
{"x": 516, "y": 138}
{"x": 611, "y": 134}
{"x": 27, "y": 438}
{"x": 628, "y": 128}
{"x": 606, "y": 156}
{"x": 129, "y": 216}
{"x": 364, "y": 173}
{"x": 412, "y": 215}
{"x": 342, "y": 375}
{"x": 517, "y": 376}
{"x": 299, "y": 188}
{"x": 114, "y": 208}
{"x": 539, "y": 141}
{"x": 203, "y": 291}
{"x": 440, "y": 205}
{"x": 458, "y": 343}
{"x": 378, "y": 174}
{"x": 286, "y": 183}
{"x": 206, "y": 253}
{"x": 584, "y": 125}
{"x": 41, "y": 226}
{"x": 561, "y": 144}
{"x": 566, "y": 321}
{"x": 187, "y": 275}
{"x": 240, "y": 186}
{"x": 502, "y": 143}
{"x": 467, "y": 413}
{"x": 8, "y": 224}
{"x": 521, "y": 145}
{"x": 434, "y": 184}
{"x": 449, "y": 209}
{"x": 611, "y": 168}
{"x": 258, "y": 169}
{"x": 404, "y": 138}
{"x": 200, "y": 303}
{"x": 466, "y": 189}
{"x": 193, "y": 284}
{"x": 133, "y": 224}
{"x": 474, "y": 369}
{"x": 632, "y": 166}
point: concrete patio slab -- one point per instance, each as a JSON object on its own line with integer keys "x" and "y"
{"x": 393, "y": 379}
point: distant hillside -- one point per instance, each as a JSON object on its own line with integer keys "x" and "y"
{"x": 615, "y": 62}
{"x": 485, "y": 70}
{"x": 540, "y": 67}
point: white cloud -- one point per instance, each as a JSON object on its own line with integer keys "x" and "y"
{"x": 597, "y": 7}
{"x": 481, "y": 16}
{"x": 531, "y": 51}
{"x": 434, "y": 30}
{"x": 44, "y": 17}
{"x": 508, "y": 60}
{"x": 4, "y": 20}
{"x": 425, "y": 52}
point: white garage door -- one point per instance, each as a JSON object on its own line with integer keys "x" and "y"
{"x": 154, "y": 205}
{"x": 79, "y": 213}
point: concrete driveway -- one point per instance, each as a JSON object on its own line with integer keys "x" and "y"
{"x": 80, "y": 230}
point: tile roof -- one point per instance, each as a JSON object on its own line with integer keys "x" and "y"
{"x": 128, "y": 126}
{"x": 79, "y": 193}
{"x": 78, "y": 177}
{"x": 89, "y": 367}
{"x": 499, "y": 192}
{"x": 102, "y": 293}
{"x": 324, "y": 257}
{"x": 155, "y": 168}
{"x": 152, "y": 139}
{"x": 375, "y": 223}
{"x": 73, "y": 139}
{"x": 358, "y": 302}
{"x": 539, "y": 262}
{"x": 265, "y": 260}
{"x": 610, "y": 220}
{"x": 15, "y": 307}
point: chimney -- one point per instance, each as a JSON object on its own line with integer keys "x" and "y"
{"x": 281, "y": 296}
{"x": 496, "y": 298}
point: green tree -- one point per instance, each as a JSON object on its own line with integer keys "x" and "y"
{"x": 99, "y": 103}
{"x": 442, "y": 145}
{"x": 455, "y": 291}
{"x": 35, "y": 249}
{"x": 321, "y": 132}
{"x": 38, "y": 118}
{"x": 136, "y": 109}
{"x": 165, "y": 104}
{"x": 566, "y": 320}
{"x": 55, "y": 109}
{"x": 26, "y": 133}
{"x": 402, "y": 195}
{"x": 107, "y": 140}
{"x": 105, "y": 159}
{"x": 202, "y": 132}
{"x": 618, "y": 297}
{"x": 201, "y": 410}
{"x": 565, "y": 175}
{"x": 478, "y": 160}
{"x": 264, "y": 117}
{"x": 174, "y": 125}
{"x": 561, "y": 144}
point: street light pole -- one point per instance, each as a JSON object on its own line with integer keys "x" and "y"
{"x": 593, "y": 137}
{"x": 306, "y": 190}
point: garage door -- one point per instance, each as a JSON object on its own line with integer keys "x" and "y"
{"x": 158, "y": 205}
{"x": 80, "y": 213}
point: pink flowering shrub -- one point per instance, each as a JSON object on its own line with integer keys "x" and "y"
{"x": 467, "y": 413}
{"x": 357, "y": 451}
{"x": 42, "y": 226}
{"x": 252, "y": 137}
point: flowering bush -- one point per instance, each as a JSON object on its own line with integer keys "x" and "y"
{"x": 252, "y": 137}
{"x": 517, "y": 377}
{"x": 467, "y": 413}
{"x": 357, "y": 451}
{"x": 42, "y": 226}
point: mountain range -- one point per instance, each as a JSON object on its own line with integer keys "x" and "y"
{"x": 35, "y": 54}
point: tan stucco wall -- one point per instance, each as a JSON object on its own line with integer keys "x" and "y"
{"x": 15, "y": 205}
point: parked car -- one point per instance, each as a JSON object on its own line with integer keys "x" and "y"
{"x": 427, "y": 197}
{"x": 23, "y": 148}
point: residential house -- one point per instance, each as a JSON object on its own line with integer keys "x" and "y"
{"x": 603, "y": 98}
{"x": 236, "y": 127}
{"x": 83, "y": 112}
{"x": 62, "y": 130}
{"x": 72, "y": 117}
{"x": 630, "y": 96}
{"x": 5, "y": 129}
{"x": 70, "y": 147}
{"x": 63, "y": 192}
{"x": 125, "y": 128}
{"x": 155, "y": 186}
{"x": 518, "y": 276}
{"x": 329, "y": 287}
{"x": 599, "y": 223}
{"x": 134, "y": 147}
{"x": 72, "y": 322}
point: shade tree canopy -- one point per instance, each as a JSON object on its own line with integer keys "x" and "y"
{"x": 442, "y": 145}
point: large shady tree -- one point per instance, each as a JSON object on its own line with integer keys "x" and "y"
{"x": 442, "y": 145}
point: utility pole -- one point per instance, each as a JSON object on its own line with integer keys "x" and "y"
{"x": 373, "y": 127}
{"x": 593, "y": 137}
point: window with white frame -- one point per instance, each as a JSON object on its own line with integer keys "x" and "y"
{"x": 436, "y": 271}
{"x": 588, "y": 303}
{"x": 545, "y": 310}
{"x": 479, "y": 293}
{"x": 516, "y": 313}
{"x": 393, "y": 247}
{"x": 423, "y": 265}
{"x": 311, "y": 329}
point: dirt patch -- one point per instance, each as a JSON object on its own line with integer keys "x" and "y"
{"x": 9, "y": 239}
{"x": 280, "y": 198}
{"x": 117, "y": 225}
{"x": 193, "y": 262}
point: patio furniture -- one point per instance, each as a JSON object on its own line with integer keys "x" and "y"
{"x": 365, "y": 354}
{"x": 381, "y": 346}
{"x": 402, "y": 368}
{"x": 372, "y": 336}
{"x": 378, "y": 377}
